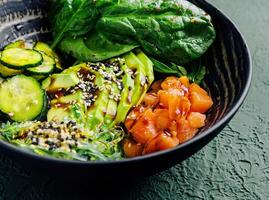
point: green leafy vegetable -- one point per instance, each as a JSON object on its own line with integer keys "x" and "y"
{"x": 104, "y": 145}
{"x": 174, "y": 30}
{"x": 173, "y": 69}
{"x": 182, "y": 70}
{"x": 10, "y": 130}
{"x": 196, "y": 74}
{"x": 72, "y": 18}
{"x": 97, "y": 47}
{"x": 56, "y": 153}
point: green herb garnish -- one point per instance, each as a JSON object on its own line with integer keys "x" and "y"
{"x": 195, "y": 74}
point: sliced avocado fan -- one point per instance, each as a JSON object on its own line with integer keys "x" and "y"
{"x": 105, "y": 91}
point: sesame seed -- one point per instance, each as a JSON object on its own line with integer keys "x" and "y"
{"x": 11, "y": 114}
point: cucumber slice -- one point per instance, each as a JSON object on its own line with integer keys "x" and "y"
{"x": 57, "y": 114}
{"x": 43, "y": 114}
{"x": 6, "y": 72}
{"x": 21, "y": 98}
{"x": 18, "y": 58}
{"x": 43, "y": 47}
{"x": 46, "y": 67}
{"x": 19, "y": 44}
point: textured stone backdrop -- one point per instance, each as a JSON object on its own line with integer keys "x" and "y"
{"x": 233, "y": 166}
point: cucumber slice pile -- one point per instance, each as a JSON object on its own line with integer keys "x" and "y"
{"x": 21, "y": 98}
{"x": 35, "y": 59}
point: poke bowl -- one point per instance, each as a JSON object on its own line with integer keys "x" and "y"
{"x": 226, "y": 81}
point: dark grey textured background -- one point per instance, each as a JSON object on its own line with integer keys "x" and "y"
{"x": 233, "y": 166}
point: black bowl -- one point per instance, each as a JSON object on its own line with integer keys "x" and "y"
{"x": 228, "y": 79}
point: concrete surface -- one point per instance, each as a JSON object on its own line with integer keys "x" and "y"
{"x": 233, "y": 166}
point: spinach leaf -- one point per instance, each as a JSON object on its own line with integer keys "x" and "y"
{"x": 181, "y": 69}
{"x": 171, "y": 30}
{"x": 96, "y": 47}
{"x": 195, "y": 74}
{"x": 172, "y": 69}
{"x": 72, "y": 18}
{"x": 163, "y": 68}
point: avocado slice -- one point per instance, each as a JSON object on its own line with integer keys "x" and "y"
{"x": 112, "y": 105}
{"x": 6, "y": 72}
{"x": 126, "y": 102}
{"x": 75, "y": 69}
{"x": 57, "y": 114}
{"x": 113, "y": 101}
{"x": 140, "y": 80}
{"x": 96, "y": 113}
{"x": 148, "y": 64}
{"x": 76, "y": 97}
{"x": 60, "y": 81}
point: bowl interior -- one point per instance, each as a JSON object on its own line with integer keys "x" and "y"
{"x": 227, "y": 61}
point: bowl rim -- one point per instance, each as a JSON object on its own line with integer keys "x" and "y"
{"x": 22, "y": 152}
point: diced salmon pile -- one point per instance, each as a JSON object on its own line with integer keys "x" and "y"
{"x": 171, "y": 113}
